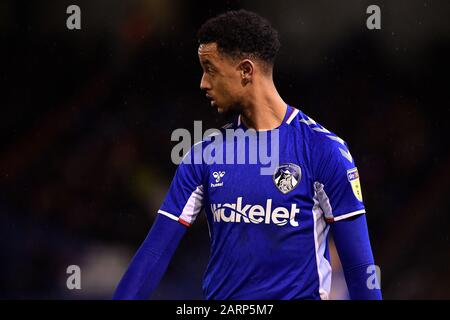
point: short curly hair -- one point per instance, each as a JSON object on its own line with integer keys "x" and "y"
{"x": 241, "y": 34}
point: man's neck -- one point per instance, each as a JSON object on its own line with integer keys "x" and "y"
{"x": 266, "y": 109}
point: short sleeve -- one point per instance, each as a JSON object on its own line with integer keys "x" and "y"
{"x": 337, "y": 187}
{"x": 184, "y": 200}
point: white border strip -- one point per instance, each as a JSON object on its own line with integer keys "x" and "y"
{"x": 193, "y": 205}
{"x": 292, "y": 116}
{"x": 169, "y": 215}
{"x": 320, "y": 242}
{"x": 348, "y": 215}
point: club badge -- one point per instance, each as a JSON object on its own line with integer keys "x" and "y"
{"x": 287, "y": 177}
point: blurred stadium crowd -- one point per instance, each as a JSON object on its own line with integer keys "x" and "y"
{"x": 86, "y": 118}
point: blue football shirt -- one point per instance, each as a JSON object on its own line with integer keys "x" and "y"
{"x": 269, "y": 233}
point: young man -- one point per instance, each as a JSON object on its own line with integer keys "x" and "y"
{"x": 268, "y": 233}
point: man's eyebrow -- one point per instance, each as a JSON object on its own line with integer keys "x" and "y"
{"x": 208, "y": 63}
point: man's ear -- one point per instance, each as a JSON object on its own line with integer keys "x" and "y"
{"x": 246, "y": 68}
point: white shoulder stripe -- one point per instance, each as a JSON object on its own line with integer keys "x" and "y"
{"x": 323, "y": 130}
{"x": 308, "y": 122}
{"x": 346, "y": 155}
{"x": 335, "y": 138}
{"x": 344, "y": 152}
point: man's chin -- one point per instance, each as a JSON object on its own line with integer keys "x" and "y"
{"x": 221, "y": 110}
{"x": 217, "y": 107}
{"x": 225, "y": 114}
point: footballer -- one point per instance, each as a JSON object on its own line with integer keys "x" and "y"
{"x": 268, "y": 232}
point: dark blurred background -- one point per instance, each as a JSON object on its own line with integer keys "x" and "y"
{"x": 86, "y": 118}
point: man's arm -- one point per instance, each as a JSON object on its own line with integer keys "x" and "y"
{"x": 151, "y": 260}
{"x": 353, "y": 246}
{"x": 180, "y": 208}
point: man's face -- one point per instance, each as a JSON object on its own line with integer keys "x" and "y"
{"x": 221, "y": 79}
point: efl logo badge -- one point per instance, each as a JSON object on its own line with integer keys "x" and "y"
{"x": 353, "y": 178}
{"x": 287, "y": 177}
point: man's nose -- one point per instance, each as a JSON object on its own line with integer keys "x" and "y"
{"x": 204, "y": 84}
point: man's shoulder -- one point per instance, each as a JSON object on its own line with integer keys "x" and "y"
{"x": 317, "y": 137}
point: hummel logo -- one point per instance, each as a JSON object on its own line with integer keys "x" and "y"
{"x": 218, "y": 175}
